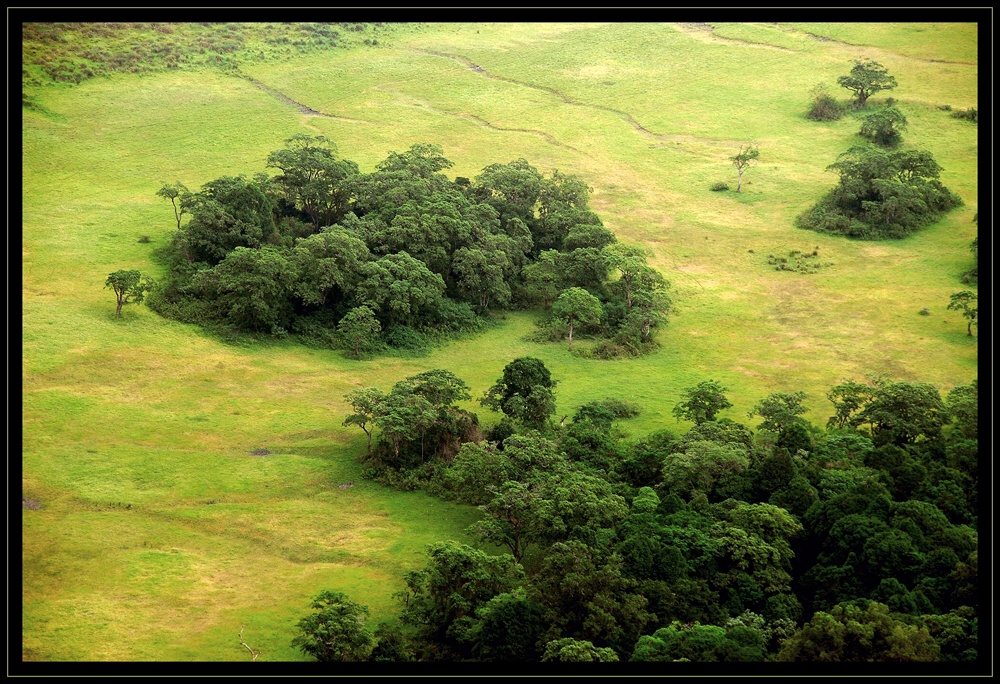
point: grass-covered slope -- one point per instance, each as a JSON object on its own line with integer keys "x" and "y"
{"x": 151, "y": 531}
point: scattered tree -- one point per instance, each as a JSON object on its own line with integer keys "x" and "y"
{"x": 867, "y": 77}
{"x": 704, "y": 401}
{"x": 883, "y": 126}
{"x": 748, "y": 154}
{"x": 367, "y": 404}
{"x": 966, "y": 302}
{"x": 576, "y": 306}
{"x": 172, "y": 191}
{"x": 335, "y": 631}
{"x": 128, "y": 286}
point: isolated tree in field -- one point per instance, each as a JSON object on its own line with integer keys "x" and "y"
{"x": 883, "y": 126}
{"x": 128, "y": 286}
{"x": 335, "y": 631}
{"x": 867, "y": 77}
{"x": 172, "y": 191}
{"x": 704, "y": 401}
{"x": 367, "y": 405}
{"x": 576, "y": 306}
{"x": 966, "y": 302}
{"x": 359, "y": 327}
{"x": 742, "y": 161}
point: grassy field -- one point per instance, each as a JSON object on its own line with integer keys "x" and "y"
{"x": 151, "y": 532}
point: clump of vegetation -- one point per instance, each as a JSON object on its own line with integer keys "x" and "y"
{"x": 720, "y": 187}
{"x": 881, "y": 194}
{"x": 883, "y": 126}
{"x": 798, "y": 261}
{"x": 825, "y": 107}
{"x": 72, "y": 52}
{"x": 420, "y": 256}
{"x": 970, "y": 114}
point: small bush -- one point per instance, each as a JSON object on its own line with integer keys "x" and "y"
{"x": 144, "y": 239}
{"x": 826, "y": 108}
{"x": 945, "y": 108}
{"x": 970, "y": 114}
{"x": 720, "y": 187}
{"x": 924, "y": 311}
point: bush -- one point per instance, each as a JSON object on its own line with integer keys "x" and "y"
{"x": 720, "y": 187}
{"x": 826, "y": 108}
{"x": 405, "y": 337}
{"x": 970, "y": 114}
{"x": 144, "y": 239}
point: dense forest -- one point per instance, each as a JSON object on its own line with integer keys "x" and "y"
{"x": 389, "y": 258}
{"x": 786, "y": 541}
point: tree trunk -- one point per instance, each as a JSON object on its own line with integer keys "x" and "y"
{"x": 118, "y": 311}
{"x": 739, "y": 180}
{"x": 571, "y": 335}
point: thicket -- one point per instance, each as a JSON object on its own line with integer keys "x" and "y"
{"x": 72, "y": 52}
{"x": 399, "y": 255}
{"x": 783, "y": 542}
{"x": 881, "y": 194}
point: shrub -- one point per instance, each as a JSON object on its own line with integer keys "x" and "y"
{"x": 405, "y": 337}
{"x": 970, "y": 114}
{"x": 144, "y": 239}
{"x": 825, "y": 107}
{"x": 720, "y": 187}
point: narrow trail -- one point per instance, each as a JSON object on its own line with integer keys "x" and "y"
{"x": 837, "y": 41}
{"x": 624, "y": 116}
{"x": 696, "y": 27}
{"x": 304, "y": 109}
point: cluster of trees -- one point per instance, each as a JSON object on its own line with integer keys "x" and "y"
{"x": 784, "y": 541}
{"x": 382, "y": 257}
{"x": 882, "y": 193}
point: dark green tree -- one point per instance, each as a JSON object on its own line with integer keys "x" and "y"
{"x": 704, "y": 401}
{"x": 867, "y": 77}
{"x": 335, "y": 631}
{"x": 399, "y": 287}
{"x": 128, "y": 286}
{"x": 313, "y": 179}
{"x": 569, "y": 650}
{"x": 963, "y": 405}
{"x": 780, "y": 411}
{"x": 252, "y": 288}
{"x": 523, "y": 392}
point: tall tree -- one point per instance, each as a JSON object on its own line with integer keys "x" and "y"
{"x": 966, "y": 301}
{"x": 867, "y": 77}
{"x": 747, "y": 155}
{"x": 128, "y": 286}
{"x": 173, "y": 191}
{"x": 575, "y": 306}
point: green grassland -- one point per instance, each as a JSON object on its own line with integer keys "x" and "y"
{"x": 159, "y": 534}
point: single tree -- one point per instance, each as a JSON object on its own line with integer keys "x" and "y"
{"x": 742, "y": 161}
{"x": 129, "y": 286}
{"x": 576, "y": 306}
{"x": 966, "y": 302}
{"x": 883, "y": 126}
{"x": 704, "y": 401}
{"x": 867, "y": 77}
{"x": 367, "y": 404}
{"x": 335, "y": 631}
{"x": 172, "y": 191}
{"x": 523, "y": 392}
{"x": 358, "y": 327}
